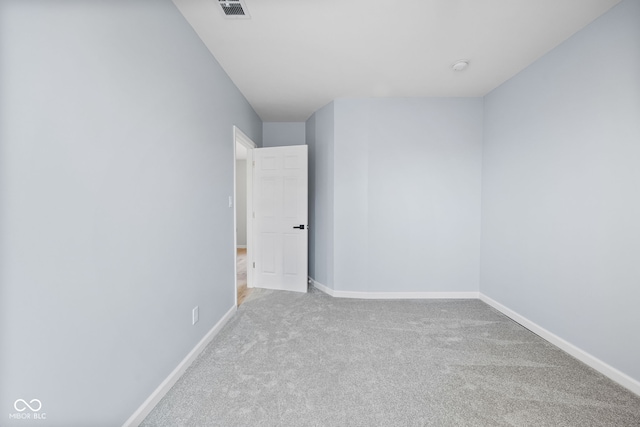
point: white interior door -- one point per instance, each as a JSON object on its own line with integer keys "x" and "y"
{"x": 280, "y": 223}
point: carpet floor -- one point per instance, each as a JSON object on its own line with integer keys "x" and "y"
{"x": 289, "y": 359}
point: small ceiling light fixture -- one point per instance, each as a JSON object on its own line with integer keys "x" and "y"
{"x": 460, "y": 65}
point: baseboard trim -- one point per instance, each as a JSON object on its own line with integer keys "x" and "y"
{"x": 393, "y": 295}
{"x": 241, "y": 246}
{"x": 605, "y": 369}
{"x": 147, "y": 406}
{"x": 324, "y": 288}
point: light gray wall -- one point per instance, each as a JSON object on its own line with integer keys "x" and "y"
{"x": 116, "y": 156}
{"x": 560, "y": 208}
{"x": 241, "y": 202}
{"x": 277, "y": 134}
{"x": 310, "y": 140}
{"x": 407, "y": 194}
{"x": 320, "y": 139}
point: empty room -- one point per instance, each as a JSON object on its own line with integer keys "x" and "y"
{"x": 436, "y": 204}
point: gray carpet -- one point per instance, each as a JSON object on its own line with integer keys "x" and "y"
{"x": 290, "y": 359}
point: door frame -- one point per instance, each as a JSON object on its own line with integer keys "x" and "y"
{"x": 241, "y": 138}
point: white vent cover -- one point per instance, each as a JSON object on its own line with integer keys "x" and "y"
{"x": 234, "y": 9}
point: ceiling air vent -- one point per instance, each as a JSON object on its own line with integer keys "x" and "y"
{"x": 234, "y": 9}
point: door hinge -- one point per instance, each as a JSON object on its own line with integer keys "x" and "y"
{"x": 254, "y": 265}
{"x": 254, "y": 215}
{"x": 254, "y": 163}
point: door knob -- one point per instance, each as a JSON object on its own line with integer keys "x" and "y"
{"x": 301, "y": 227}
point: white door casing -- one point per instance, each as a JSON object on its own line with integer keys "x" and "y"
{"x": 280, "y": 226}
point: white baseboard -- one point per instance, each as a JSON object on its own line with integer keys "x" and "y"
{"x": 586, "y": 358}
{"x": 241, "y": 246}
{"x": 393, "y": 295}
{"x": 147, "y": 406}
{"x": 324, "y": 288}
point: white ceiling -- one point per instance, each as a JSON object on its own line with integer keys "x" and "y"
{"x": 294, "y": 56}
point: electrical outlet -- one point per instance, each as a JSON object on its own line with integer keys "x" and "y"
{"x": 195, "y": 315}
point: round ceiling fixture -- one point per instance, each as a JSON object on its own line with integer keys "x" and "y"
{"x": 460, "y": 65}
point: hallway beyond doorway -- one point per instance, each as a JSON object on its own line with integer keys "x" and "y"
{"x": 241, "y": 263}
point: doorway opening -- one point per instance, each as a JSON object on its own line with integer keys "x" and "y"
{"x": 242, "y": 291}
{"x": 243, "y": 177}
